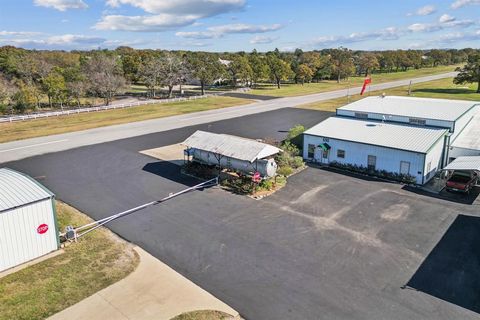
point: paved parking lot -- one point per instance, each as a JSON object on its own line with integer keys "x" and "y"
{"x": 328, "y": 245}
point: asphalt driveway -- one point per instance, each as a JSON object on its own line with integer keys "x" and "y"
{"x": 327, "y": 246}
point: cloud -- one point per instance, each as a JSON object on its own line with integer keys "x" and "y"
{"x": 61, "y": 5}
{"x": 262, "y": 40}
{"x": 65, "y": 41}
{"x": 390, "y": 33}
{"x": 220, "y": 31}
{"x": 244, "y": 28}
{"x": 424, "y": 27}
{"x": 150, "y": 23}
{"x": 446, "y": 22}
{"x": 458, "y": 37}
{"x": 166, "y": 14}
{"x": 446, "y": 18}
{"x": 424, "y": 11}
{"x": 196, "y": 35}
{"x": 70, "y": 39}
{"x": 461, "y": 3}
{"x": 18, "y": 33}
{"x": 203, "y": 8}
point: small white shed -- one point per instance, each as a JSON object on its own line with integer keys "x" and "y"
{"x": 28, "y": 223}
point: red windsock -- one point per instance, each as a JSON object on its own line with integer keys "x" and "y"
{"x": 366, "y": 82}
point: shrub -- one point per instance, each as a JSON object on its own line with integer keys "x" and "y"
{"x": 266, "y": 184}
{"x": 290, "y": 149}
{"x": 240, "y": 185}
{"x": 295, "y": 135}
{"x": 295, "y": 131}
{"x": 296, "y": 162}
{"x": 282, "y": 159}
{"x": 403, "y": 178}
{"x": 285, "y": 171}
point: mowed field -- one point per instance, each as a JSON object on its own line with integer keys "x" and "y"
{"x": 442, "y": 89}
{"x": 83, "y": 121}
{"x": 290, "y": 90}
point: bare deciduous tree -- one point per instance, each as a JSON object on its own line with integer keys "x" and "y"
{"x": 104, "y": 73}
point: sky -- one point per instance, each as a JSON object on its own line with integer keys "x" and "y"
{"x": 239, "y": 25}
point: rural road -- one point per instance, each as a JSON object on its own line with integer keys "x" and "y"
{"x": 21, "y": 149}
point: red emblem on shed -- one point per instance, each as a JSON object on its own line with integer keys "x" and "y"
{"x": 42, "y": 228}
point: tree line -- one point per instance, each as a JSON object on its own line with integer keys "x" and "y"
{"x": 30, "y": 80}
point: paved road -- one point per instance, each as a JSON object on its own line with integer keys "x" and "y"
{"x": 26, "y": 148}
{"x": 327, "y": 246}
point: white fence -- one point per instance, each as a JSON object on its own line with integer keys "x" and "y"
{"x": 102, "y": 108}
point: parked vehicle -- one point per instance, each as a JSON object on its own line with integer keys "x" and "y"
{"x": 461, "y": 181}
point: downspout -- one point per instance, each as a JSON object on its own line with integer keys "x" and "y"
{"x": 447, "y": 153}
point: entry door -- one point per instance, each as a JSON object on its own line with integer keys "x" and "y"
{"x": 404, "y": 167}
{"x": 372, "y": 163}
{"x": 325, "y": 154}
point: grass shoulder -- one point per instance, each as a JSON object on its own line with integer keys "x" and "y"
{"x": 63, "y": 124}
{"x": 41, "y": 290}
{"x": 328, "y": 85}
{"x": 442, "y": 89}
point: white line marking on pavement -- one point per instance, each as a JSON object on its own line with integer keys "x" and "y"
{"x": 34, "y": 145}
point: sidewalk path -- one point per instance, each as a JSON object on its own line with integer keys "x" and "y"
{"x": 153, "y": 291}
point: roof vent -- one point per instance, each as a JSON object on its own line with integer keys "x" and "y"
{"x": 383, "y": 95}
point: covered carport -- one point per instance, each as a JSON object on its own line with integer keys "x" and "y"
{"x": 468, "y": 168}
{"x": 470, "y": 163}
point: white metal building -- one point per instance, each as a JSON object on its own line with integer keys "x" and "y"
{"x": 232, "y": 152}
{"x": 28, "y": 225}
{"x": 393, "y": 147}
{"x": 441, "y": 113}
{"x": 467, "y": 143}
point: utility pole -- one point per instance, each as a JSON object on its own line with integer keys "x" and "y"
{"x": 410, "y": 87}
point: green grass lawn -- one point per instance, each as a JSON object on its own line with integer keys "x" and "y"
{"x": 442, "y": 89}
{"x": 203, "y": 315}
{"x": 55, "y": 125}
{"x": 95, "y": 262}
{"x": 309, "y": 88}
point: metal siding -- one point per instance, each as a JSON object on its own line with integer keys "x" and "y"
{"x": 467, "y": 132}
{"x": 424, "y": 108}
{"x": 404, "y": 119}
{"x": 456, "y": 152}
{"x": 230, "y": 146}
{"x": 397, "y": 136}
{"x": 465, "y": 163}
{"x": 435, "y": 156}
{"x": 19, "y": 240}
{"x": 356, "y": 153}
{"x": 17, "y": 189}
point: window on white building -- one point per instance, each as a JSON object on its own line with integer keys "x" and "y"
{"x": 417, "y": 122}
{"x": 311, "y": 151}
{"x": 361, "y": 115}
{"x": 340, "y": 153}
